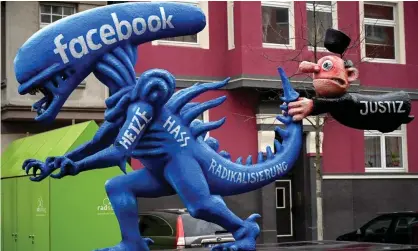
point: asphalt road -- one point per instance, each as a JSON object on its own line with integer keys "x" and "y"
{"x": 325, "y": 245}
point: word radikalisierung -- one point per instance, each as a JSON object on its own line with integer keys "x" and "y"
{"x": 107, "y": 32}
{"x": 247, "y": 176}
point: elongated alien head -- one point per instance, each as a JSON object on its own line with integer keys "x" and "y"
{"x": 57, "y": 58}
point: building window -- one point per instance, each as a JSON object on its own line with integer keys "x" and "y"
{"x": 385, "y": 151}
{"x": 277, "y": 25}
{"x": 321, "y": 15}
{"x": 50, "y": 13}
{"x": 383, "y": 37}
{"x": 200, "y": 40}
{"x": 230, "y": 20}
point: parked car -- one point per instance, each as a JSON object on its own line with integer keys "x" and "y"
{"x": 176, "y": 228}
{"x": 396, "y": 227}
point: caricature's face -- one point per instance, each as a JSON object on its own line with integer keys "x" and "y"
{"x": 330, "y": 77}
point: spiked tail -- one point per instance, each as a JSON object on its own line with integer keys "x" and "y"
{"x": 228, "y": 178}
{"x": 289, "y": 93}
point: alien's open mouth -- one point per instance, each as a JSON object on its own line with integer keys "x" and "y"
{"x": 43, "y": 104}
{"x": 339, "y": 81}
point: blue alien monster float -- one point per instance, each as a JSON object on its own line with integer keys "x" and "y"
{"x": 145, "y": 119}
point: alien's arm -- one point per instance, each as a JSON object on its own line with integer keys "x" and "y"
{"x": 103, "y": 138}
{"x": 138, "y": 117}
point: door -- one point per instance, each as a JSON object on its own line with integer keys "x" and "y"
{"x": 8, "y": 220}
{"x": 24, "y": 217}
{"x": 40, "y": 215}
{"x": 284, "y": 216}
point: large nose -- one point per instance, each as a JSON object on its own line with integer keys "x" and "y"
{"x": 308, "y": 67}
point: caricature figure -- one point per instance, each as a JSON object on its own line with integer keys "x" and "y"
{"x": 332, "y": 76}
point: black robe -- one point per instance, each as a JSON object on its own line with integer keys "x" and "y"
{"x": 384, "y": 113}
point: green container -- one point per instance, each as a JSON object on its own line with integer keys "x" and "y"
{"x": 69, "y": 214}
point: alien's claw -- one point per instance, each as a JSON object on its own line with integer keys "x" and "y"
{"x": 245, "y": 237}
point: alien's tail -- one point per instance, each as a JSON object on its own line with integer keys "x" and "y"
{"x": 224, "y": 176}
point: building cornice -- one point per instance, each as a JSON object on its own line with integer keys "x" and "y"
{"x": 24, "y": 113}
{"x": 274, "y": 83}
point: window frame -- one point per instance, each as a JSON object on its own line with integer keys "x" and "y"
{"x": 333, "y": 9}
{"x": 202, "y": 37}
{"x": 58, "y": 4}
{"x": 397, "y": 24}
{"x": 230, "y": 24}
{"x": 383, "y": 168}
{"x": 3, "y": 45}
{"x": 291, "y": 8}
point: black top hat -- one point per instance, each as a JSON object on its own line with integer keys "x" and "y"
{"x": 336, "y": 41}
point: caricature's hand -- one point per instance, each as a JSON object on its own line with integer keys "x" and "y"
{"x": 300, "y": 109}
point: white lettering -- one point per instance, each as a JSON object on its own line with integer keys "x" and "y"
{"x": 366, "y": 108}
{"x": 82, "y": 43}
{"x": 166, "y": 21}
{"x": 89, "y": 39}
{"x": 248, "y": 176}
{"x": 381, "y": 107}
{"x": 60, "y": 48}
{"x": 110, "y": 35}
{"x": 400, "y": 103}
{"x": 134, "y": 129}
{"x": 169, "y": 122}
{"x": 176, "y": 131}
{"x": 119, "y": 25}
{"x": 107, "y": 31}
{"x": 135, "y": 25}
{"x": 157, "y": 25}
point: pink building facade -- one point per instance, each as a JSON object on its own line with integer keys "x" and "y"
{"x": 247, "y": 41}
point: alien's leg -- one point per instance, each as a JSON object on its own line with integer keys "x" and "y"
{"x": 186, "y": 177}
{"x": 123, "y": 192}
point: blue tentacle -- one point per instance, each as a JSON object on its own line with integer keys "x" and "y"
{"x": 187, "y": 107}
{"x": 206, "y": 127}
{"x": 105, "y": 70}
{"x": 117, "y": 65}
{"x": 127, "y": 62}
{"x": 179, "y": 100}
{"x": 114, "y": 99}
{"x": 198, "y": 109}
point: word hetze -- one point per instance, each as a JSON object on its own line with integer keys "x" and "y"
{"x": 176, "y": 132}
{"x": 248, "y": 176}
{"x": 135, "y": 127}
{"x": 107, "y": 34}
{"x": 382, "y": 107}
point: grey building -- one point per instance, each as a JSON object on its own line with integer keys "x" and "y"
{"x": 20, "y": 20}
